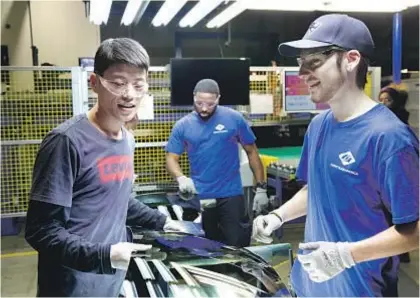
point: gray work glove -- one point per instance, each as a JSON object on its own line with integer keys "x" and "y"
{"x": 326, "y": 259}
{"x": 260, "y": 200}
{"x": 186, "y": 186}
{"x": 264, "y": 226}
{"x": 121, "y": 253}
{"x": 173, "y": 226}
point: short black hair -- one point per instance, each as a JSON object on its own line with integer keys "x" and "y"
{"x": 392, "y": 92}
{"x": 362, "y": 71}
{"x": 207, "y": 86}
{"x": 120, "y": 51}
{"x": 399, "y": 97}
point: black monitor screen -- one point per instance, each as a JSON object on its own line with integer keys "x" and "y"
{"x": 232, "y": 75}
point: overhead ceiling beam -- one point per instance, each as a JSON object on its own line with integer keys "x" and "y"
{"x": 310, "y": 5}
{"x": 292, "y": 5}
{"x": 363, "y": 5}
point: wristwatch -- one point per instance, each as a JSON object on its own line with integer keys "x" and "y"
{"x": 262, "y": 185}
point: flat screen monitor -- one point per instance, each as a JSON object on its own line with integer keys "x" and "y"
{"x": 296, "y": 96}
{"x": 86, "y": 62}
{"x": 231, "y": 74}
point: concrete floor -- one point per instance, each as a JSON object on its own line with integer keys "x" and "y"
{"x": 19, "y": 266}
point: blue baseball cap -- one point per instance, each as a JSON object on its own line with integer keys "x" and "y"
{"x": 332, "y": 30}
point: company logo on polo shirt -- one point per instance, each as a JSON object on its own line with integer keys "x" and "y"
{"x": 220, "y": 128}
{"x": 115, "y": 168}
{"x": 346, "y": 158}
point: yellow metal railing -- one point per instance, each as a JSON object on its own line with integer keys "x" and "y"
{"x": 32, "y": 103}
{"x": 36, "y": 101}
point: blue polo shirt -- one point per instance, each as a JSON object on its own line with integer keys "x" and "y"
{"x": 212, "y": 148}
{"x": 363, "y": 177}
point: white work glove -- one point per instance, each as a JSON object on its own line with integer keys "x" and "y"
{"x": 121, "y": 253}
{"x": 198, "y": 219}
{"x": 260, "y": 200}
{"x": 264, "y": 226}
{"x": 326, "y": 260}
{"x": 186, "y": 185}
{"x": 173, "y": 226}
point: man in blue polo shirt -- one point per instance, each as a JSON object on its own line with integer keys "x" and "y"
{"x": 210, "y": 135}
{"x": 361, "y": 166}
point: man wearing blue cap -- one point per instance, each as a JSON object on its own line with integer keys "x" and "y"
{"x": 361, "y": 166}
{"x": 210, "y": 135}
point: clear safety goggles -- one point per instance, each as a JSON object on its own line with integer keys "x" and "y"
{"x": 201, "y": 104}
{"x": 138, "y": 89}
{"x": 315, "y": 60}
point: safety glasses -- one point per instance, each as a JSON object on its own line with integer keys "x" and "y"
{"x": 201, "y": 104}
{"x": 315, "y": 60}
{"x": 139, "y": 89}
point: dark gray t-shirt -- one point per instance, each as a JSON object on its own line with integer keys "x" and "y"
{"x": 99, "y": 185}
{"x": 90, "y": 176}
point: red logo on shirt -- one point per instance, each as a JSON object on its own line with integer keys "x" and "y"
{"x": 115, "y": 168}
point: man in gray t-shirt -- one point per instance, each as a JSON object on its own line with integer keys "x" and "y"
{"x": 82, "y": 180}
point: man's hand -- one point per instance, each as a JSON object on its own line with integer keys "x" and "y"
{"x": 263, "y": 227}
{"x": 121, "y": 253}
{"x": 186, "y": 185}
{"x": 260, "y": 200}
{"x": 173, "y": 226}
{"x": 326, "y": 259}
{"x": 198, "y": 219}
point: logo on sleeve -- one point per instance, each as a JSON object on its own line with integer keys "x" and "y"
{"x": 115, "y": 168}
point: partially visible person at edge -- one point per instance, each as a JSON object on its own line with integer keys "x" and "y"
{"x": 80, "y": 201}
{"x": 360, "y": 164}
{"x": 395, "y": 100}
